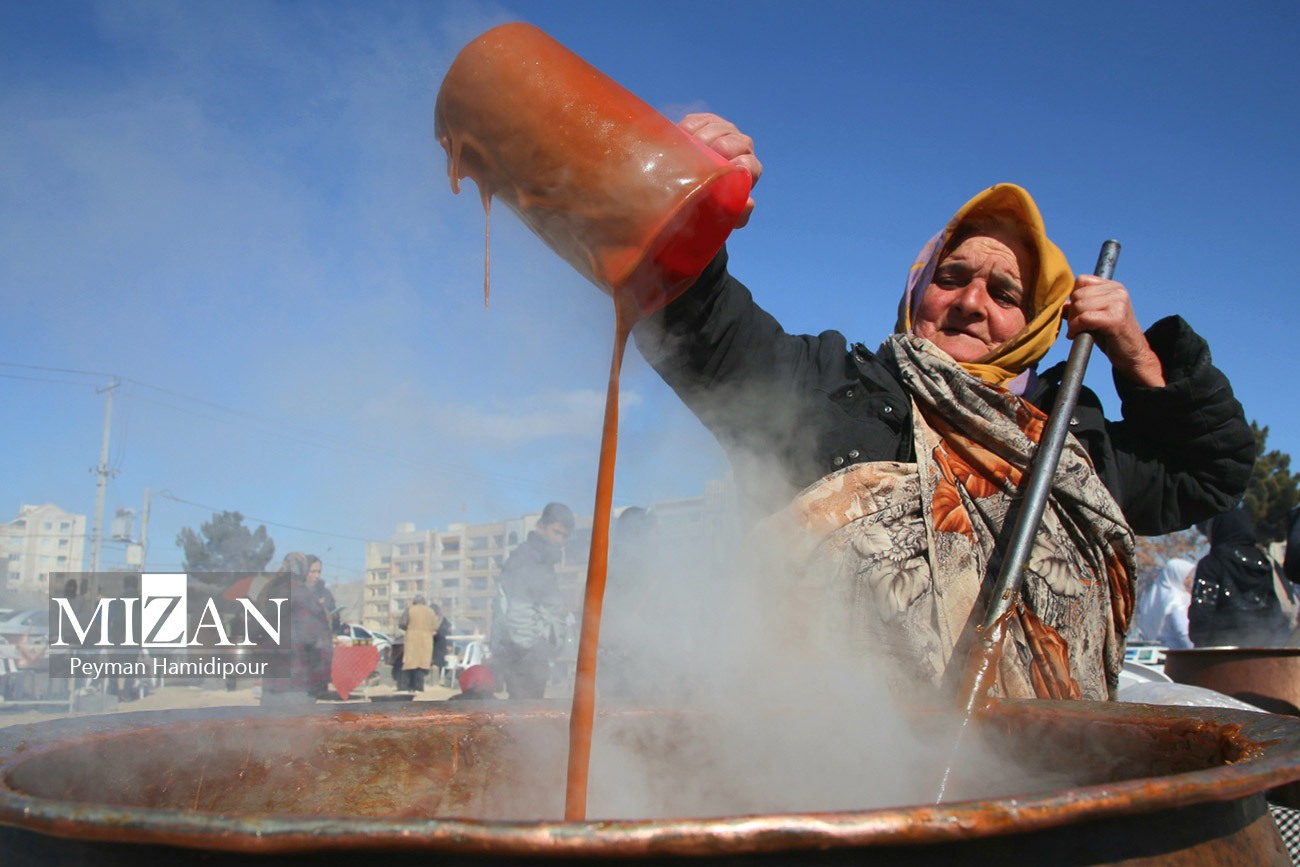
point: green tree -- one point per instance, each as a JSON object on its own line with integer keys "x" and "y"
{"x": 225, "y": 545}
{"x": 1273, "y": 489}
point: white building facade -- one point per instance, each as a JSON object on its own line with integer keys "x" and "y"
{"x": 457, "y": 568}
{"x": 41, "y": 540}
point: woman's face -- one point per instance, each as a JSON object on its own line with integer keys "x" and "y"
{"x": 977, "y": 299}
{"x": 313, "y": 573}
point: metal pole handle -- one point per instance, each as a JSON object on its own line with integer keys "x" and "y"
{"x": 1011, "y": 575}
{"x": 981, "y": 667}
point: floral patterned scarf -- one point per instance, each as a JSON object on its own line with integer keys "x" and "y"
{"x": 908, "y": 551}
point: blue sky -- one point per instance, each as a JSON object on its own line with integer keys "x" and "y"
{"x": 240, "y": 210}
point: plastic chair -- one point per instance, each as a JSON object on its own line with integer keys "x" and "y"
{"x": 448, "y": 671}
{"x": 475, "y": 653}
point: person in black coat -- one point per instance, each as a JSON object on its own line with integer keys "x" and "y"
{"x": 528, "y": 614}
{"x": 440, "y": 639}
{"x": 1234, "y": 603}
{"x": 985, "y": 298}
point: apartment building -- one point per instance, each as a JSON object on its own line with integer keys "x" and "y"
{"x": 41, "y": 540}
{"x": 457, "y": 568}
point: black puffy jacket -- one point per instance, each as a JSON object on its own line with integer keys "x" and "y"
{"x": 791, "y": 408}
{"x": 1233, "y": 600}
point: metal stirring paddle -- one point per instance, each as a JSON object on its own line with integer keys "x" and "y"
{"x": 982, "y": 666}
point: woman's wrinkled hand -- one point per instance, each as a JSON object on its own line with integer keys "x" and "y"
{"x": 1103, "y": 307}
{"x": 722, "y": 136}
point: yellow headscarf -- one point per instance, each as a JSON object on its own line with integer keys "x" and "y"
{"x": 1051, "y": 287}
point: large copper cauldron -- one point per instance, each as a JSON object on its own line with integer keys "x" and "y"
{"x": 1267, "y": 677}
{"x": 1153, "y": 785}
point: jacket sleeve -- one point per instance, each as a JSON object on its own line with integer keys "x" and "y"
{"x": 734, "y": 366}
{"x": 1184, "y": 452}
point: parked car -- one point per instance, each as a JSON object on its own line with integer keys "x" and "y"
{"x": 362, "y": 635}
{"x": 29, "y": 621}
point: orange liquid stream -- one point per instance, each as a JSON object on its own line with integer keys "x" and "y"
{"x": 583, "y": 711}
{"x": 487, "y": 246}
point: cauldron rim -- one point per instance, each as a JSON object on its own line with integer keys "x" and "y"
{"x": 1276, "y": 762}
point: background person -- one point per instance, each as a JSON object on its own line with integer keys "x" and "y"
{"x": 311, "y": 641}
{"x": 528, "y": 624}
{"x": 322, "y": 591}
{"x": 126, "y": 687}
{"x": 1162, "y": 606}
{"x": 440, "y": 639}
{"x": 921, "y": 445}
{"x": 419, "y": 622}
{"x": 630, "y": 654}
{"x": 1234, "y": 603}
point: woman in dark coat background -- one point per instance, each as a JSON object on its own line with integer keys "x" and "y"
{"x": 311, "y": 646}
{"x": 1233, "y": 600}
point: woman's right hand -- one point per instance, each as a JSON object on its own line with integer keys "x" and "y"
{"x": 722, "y": 136}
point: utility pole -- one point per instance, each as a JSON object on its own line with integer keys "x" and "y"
{"x": 102, "y": 473}
{"x": 144, "y": 531}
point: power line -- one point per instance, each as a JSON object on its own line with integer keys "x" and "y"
{"x": 53, "y": 369}
{"x": 215, "y": 510}
{"x": 290, "y": 432}
{"x": 40, "y": 379}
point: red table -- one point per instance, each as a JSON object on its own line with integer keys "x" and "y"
{"x": 352, "y": 665}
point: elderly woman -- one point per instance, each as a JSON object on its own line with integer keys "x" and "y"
{"x": 902, "y": 464}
